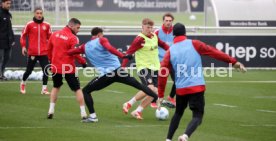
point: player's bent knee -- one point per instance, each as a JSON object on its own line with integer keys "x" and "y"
{"x": 74, "y": 88}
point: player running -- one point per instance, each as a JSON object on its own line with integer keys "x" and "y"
{"x": 104, "y": 57}
{"x": 38, "y": 32}
{"x": 63, "y": 65}
{"x": 190, "y": 83}
{"x": 165, "y": 33}
{"x": 145, "y": 47}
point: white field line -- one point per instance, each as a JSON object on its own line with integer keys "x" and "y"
{"x": 22, "y": 127}
{"x": 138, "y": 126}
{"x": 113, "y": 21}
{"x": 266, "y": 111}
{"x": 225, "y": 105}
{"x": 12, "y": 82}
{"x": 265, "y": 97}
{"x": 261, "y": 125}
{"x": 114, "y": 91}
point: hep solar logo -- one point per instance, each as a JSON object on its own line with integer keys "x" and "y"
{"x": 238, "y": 52}
{"x": 247, "y": 52}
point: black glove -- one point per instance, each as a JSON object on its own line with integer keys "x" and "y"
{"x": 128, "y": 56}
{"x": 84, "y": 65}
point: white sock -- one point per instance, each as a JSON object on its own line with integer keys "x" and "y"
{"x": 168, "y": 140}
{"x": 139, "y": 109}
{"x": 52, "y": 108}
{"x": 83, "y": 112}
{"x": 93, "y": 115}
{"x": 132, "y": 101}
{"x": 185, "y": 136}
{"x": 44, "y": 87}
{"x": 23, "y": 82}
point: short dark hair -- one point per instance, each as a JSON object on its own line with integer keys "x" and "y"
{"x": 5, "y": 1}
{"x": 147, "y": 21}
{"x": 168, "y": 15}
{"x": 96, "y": 30}
{"x": 179, "y": 29}
{"x": 74, "y": 21}
{"x": 38, "y": 8}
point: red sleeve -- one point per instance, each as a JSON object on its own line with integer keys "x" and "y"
{"x": 156, "y": 32}
{"x": 50, "y": 49}
{"x": 24, "y": 34}
{"x": 79, "y": 50}
{"x": 163, "y": 44}
{"x": 204, "y": 49}
{"x": 105, "y": 43}
{"x": 163, "y": 74}
{"x": 79, "y": 58}
{"x": 49, "y": 32}
{"x": 135, "y": 45}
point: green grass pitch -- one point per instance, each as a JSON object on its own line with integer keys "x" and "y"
{"x": 252, "y": 116}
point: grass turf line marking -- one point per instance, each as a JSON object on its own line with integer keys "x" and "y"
{"x": 254, "y": 125}
{"x": 265, "y": 97}
{"x": 22, "y": 127}
{"x": 266, "y": 111}
{"x": 138, "y": 126}
{"x": 224, "y": 105}
{"x": 114, "y": 91}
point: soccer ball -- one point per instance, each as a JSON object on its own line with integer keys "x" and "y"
{"x": 162, "y": 114}
{"x": 192, "y": 17}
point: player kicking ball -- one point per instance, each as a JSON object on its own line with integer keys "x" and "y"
{"x": 145, "y": 48}
{"x": 190, "y": 84}
{"x": 104, "y": 57}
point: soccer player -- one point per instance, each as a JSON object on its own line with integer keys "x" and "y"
{"x": 104, "y": 57}
{"x": 190, "y": 84}
{"x": 63, "y": 65}
{"x": 6, "y": 36}
{"x": 38, "y": 32}
{"x": 145, "y": 47}
{"x": 165, "y": 33}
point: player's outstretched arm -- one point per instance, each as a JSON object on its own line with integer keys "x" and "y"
{"x": 105, "y": 43}
{"x": 78, "y": 50}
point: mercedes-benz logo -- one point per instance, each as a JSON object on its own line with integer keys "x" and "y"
{"x": 24, "y": 4}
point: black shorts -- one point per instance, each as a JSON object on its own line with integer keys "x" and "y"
{"x": 72, "y": 81}
{"x": 148, "y": 77}
{"x": 195, "y": 101}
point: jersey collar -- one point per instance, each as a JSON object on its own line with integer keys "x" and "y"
{"x": 179, "y": 39}
{"x": 167, "y": 31}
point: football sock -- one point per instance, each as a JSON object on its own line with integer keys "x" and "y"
{"x": 52, "y": 108}
{"x": 132, "y": 101}
{"x": 44, "y": 87}
{"x": 194, "y": 123}
{"x": 93, "y": 115}
{"x": 23, "y": 82}
{"x": 139, "y": 109}
{"x": 83, "y": 112}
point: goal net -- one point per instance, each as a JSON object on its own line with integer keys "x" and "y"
{"x": 56, "y": 12}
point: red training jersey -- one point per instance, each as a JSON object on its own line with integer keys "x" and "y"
{"x": 59, "y": 44}
{"x": 38, "y": 35}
